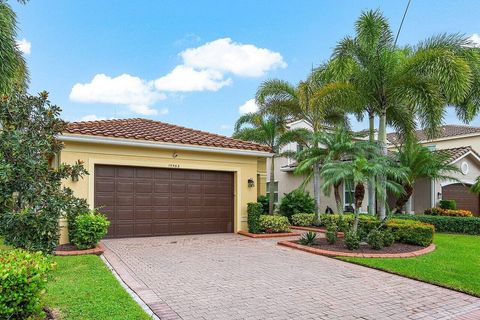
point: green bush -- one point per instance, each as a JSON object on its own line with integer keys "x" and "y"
{"x": 411, "y": 232}
{"x": 352, "y": 240}
{"x": 297, "y": 201}
{"x": 308, "y": 238}
{"x": 464, "y": 225}
{"x": 274, "y": 223}
{"x": 344, "y": 222}
{"x": 23, "y": 277}
{"x": 388, "y": 238}
{"x": 448, "y": 204}
{"x": 303, "y": 219}
{"x": 375, "y": 239}
{"x": 254, "y": 210}
{"x": 264, "y": 200}
{"x": 331, "y": 234}
{"x": 90, "y": 228}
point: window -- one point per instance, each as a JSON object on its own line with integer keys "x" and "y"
{"x": 431, "y": 147}
{"x": 299, "y": 147}
{"x": 275, "y": 192}
{"x": 348, "y": 193}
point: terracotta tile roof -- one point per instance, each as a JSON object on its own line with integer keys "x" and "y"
{"x": 455, "y": 153}
{"x": 449, "y": 130}
{"x": 144, "y": 129}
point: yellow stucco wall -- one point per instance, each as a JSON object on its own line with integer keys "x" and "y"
{"x": 243, "y": 167}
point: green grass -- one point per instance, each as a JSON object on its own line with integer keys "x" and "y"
{"x": 454, "y": 264}
{"x": 83, "y": 288}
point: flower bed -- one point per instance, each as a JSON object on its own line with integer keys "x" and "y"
{"x": 71, "y": 250}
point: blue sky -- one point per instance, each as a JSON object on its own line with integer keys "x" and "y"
{"x": 194, "y": 63}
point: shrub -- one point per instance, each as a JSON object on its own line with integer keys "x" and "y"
{"x": 465, "y": 225}
{"x": 375, "y": 239}
{"x": 412, "y": 232}
{"x": 448, "y": 204}
{"x": 90, "y": 228}
{"x": 297, "y": 201}
{"x": 303, "y": 219}
{"x": 308, "y": 238}
{"x": 388, "y": 238}
{"x": 352, "y": 240}
{"x": 264, "y": 200}
{"x": 331, "y": 234}
{"x": 23, "y": 278}
{"x": 254, "y": 210}
{"x": 274, "y": 223}
{"x": 344, "y": 222}
{"x": 448, "y": 212}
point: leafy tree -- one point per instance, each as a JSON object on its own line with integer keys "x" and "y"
{"x": 31, "y": 196}
{"x": 13, "y": 69}
{"x": 398, "y": 84}
{"x": 361, "y": 170}
{"x": 268, "y": 130}
{"x": 315, "y": 100}
{"x": 420, "y": 162}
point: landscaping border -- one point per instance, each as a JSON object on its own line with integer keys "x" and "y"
{"x": 98, "y": 250}
{"x": 330, "y": 253}
{"x": 267, "y": 235}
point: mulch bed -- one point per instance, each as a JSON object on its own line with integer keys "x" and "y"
{"x": 69, "y": 249}
{"x": 322, "y": 247}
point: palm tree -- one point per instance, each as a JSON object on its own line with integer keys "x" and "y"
{"x": 13, "y": 70}
{"x": 314, "y": 100}
{"x": 362, "y": 170}
{"x": 420, "y": 162}
{"x": 268, "y": 130}
{"x": 400, "y": 84}
{"x": 475, "y": 188}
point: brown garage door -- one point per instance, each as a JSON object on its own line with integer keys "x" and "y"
{"x": 155, "y": 201}
{"x": 462, "y": 195}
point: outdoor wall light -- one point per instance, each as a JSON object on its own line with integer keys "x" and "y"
{"x": 75, "y": 178}
{"x": 439, "y": 195}
{"x": 251, "y": 183}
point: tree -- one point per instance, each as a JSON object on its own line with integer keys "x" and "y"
{"x": 32, "y": 199}
{"x": 13, "y": 69}
{"x": 315, "y": 100}
{"x": 420, "y": 162}
{"x": 398, "y": 84}
{"x": 269, "y": 130}
{"x": 475, "y": 188}
{"x": 361, "y": 170}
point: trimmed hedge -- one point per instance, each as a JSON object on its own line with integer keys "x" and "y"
{"x": 274, "y": 223}
{"x": 23, "y": 278}
{"x": 411, "y": 231}
{"x": 90, "y": 228}
{"x": 465, "y": 225}
{"x": 303, "y": 219}
{"x": 344, "y": 222}
{"x": 254, "y": 211}
{"x": 448, "y": 204}
{"x": 448, "y": 212}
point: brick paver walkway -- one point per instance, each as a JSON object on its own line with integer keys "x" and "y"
{"x": 229, "y": 276}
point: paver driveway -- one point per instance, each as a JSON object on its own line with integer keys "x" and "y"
{"x": 228, "y": 276}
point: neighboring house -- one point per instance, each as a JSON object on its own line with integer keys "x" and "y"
{"x": 152, "y": 179}
{"x": 461, "y": 143}
{"x": 287, "y": 181}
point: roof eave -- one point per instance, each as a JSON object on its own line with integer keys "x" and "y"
{"x": 160, "y": 145}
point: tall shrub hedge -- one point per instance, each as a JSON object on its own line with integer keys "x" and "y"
{"x": 465, "y": 225}
{"x": 254, "y": 210}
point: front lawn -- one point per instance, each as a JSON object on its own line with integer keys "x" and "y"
{"x": 82, "y": 287}
{"x": 454, "y": 264}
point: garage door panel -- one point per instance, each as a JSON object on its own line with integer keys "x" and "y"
{"x": 152, "y": 202}
{"x": 465, "y": 199}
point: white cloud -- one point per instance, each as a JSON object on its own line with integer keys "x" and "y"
{"x": 240, "y": 59}
{"x": 248, "y": 107}
{"x": 91, "y": 117}
{"x": 475, "y": 39}
{"x": 24, "y": 45}
{"x": 184, "y": 78}
{"x": 125, "y": 89}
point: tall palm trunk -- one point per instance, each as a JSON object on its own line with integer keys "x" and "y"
{"x": 338, "y": 199}
{"x": 371, "y": 183}
{"x": 271, "y": 186}
{"x": 382, "y": 139}
{"x": 358, "y": 195}
{"x": 316, "y": 190}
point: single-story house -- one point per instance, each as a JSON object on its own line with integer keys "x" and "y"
{"x": 152, "y": 178}
{"x": 461, "y": 143}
